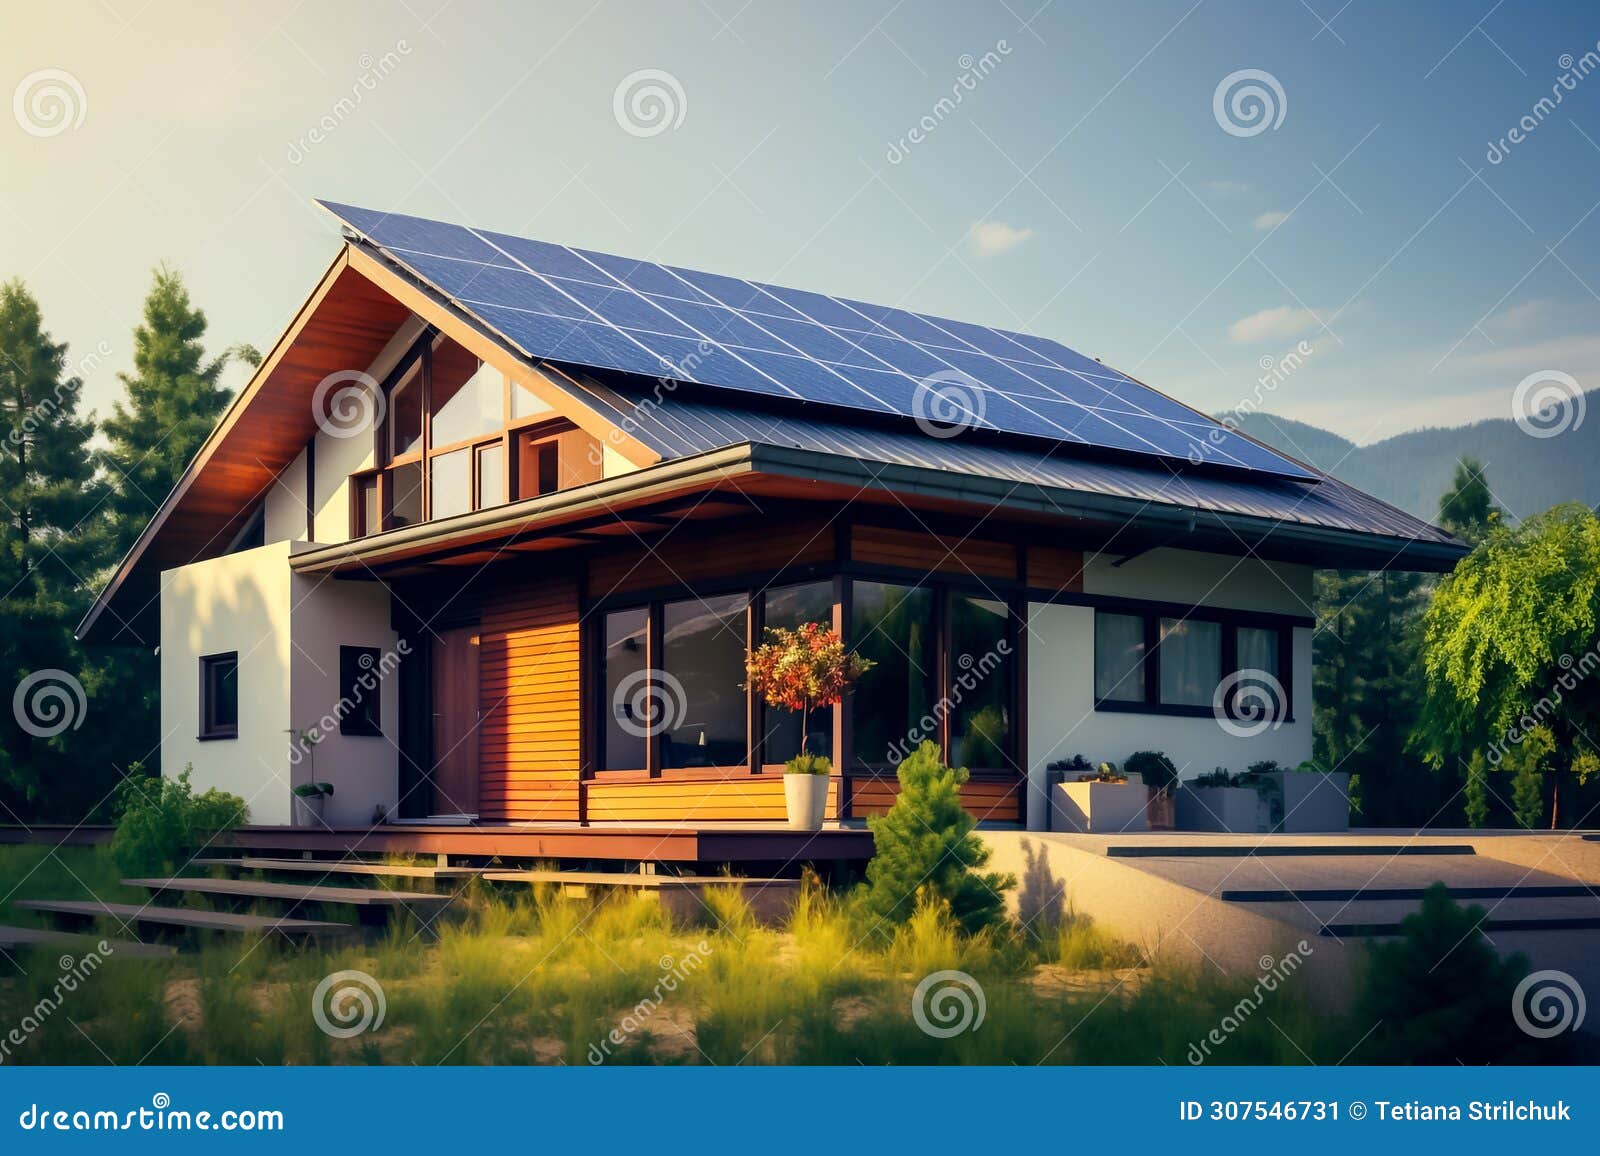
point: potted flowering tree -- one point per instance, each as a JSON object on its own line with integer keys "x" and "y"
{"x": 802, "y": 670}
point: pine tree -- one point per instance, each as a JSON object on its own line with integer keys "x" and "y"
{"x": 54, "y": 542}
{"x": 1467, "y": 508}
{"x": 174, "y": 400}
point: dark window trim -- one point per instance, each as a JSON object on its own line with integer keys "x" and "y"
{"x": 351, "y": 724}
{"x": 1229, "y": 619}
{"x": 209, "y": 731}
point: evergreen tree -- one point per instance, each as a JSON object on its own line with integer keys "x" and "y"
{"x": 173, "y": 402}
{"x": 54, "y": 542}
{"x": 1467, "y": 508}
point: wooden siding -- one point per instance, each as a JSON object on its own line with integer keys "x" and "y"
{"x": 1055, "y": 569}
{"x": 940, "y": 553}
{"x": 698, "y": 555}
{"x": 998, "y": 801}
{"x": 740, "y": 799}
{"x": 529, "y": 696}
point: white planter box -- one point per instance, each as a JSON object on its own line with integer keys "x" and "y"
{"x": 1235, "y": 809}
{"x": 1313, "y": 802}
{"x": 1099, "y": 808}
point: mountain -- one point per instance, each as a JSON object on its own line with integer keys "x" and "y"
{"x": 1528, "y": 474}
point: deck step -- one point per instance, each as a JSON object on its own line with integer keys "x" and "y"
{"x": 24, "y": 937}
{"x": 630, "y": 880}
{"x": 1357, "y": 894}
{"x": 295, "y": 893}
{"x": 343, "y": 867}
{"x": 1553, "y": 923}
{"x": 136, "y": 914}
{"x": 1279, "y": 850}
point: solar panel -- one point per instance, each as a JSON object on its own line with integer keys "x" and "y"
{"x": 567, "y": 304}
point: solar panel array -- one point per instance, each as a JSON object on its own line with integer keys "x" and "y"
{"x": 639, "y": 317}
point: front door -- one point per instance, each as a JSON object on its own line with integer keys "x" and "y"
{"x": 455, "y": 722}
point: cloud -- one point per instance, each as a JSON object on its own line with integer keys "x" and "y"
{"x": 1229, "y": 188}
{"x": 1275, "y": 324}
{"x": 1269, "y": 220}
{"x": 993, "y": 237}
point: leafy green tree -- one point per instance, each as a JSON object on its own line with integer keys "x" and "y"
{"x": 53, "y": 542}
{"x": 1477, "y": 790}
{"x": 924, "y": 844}
{"x": 1509, "y": 646}
{"x": 173, "y": 400}
{"x": 1467, "y": 508}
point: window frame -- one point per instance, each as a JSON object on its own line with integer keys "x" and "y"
{"x": 371, "y": 725}
{"x": 211, "y": 730}
{"x": 1230, "y": 621}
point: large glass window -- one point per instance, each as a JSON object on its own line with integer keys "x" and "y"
{"x": 451, "y": 476}
{"x": 405, "y": 495}
{"x": 627, "y": 693}
{"x": 705, "y": 721}
{"x": 404, "y": 420}
{"x": 893, "y": 627}
{"x": 1118, "y": 657}
{"x": 491, "y": 475}
{"x": 467, "y": 397}
{"x": 982, "y": 670}
{"x": 1258, "y": 649}
{"x": 791, "y": 607}
{"x": 1191, "y": 661}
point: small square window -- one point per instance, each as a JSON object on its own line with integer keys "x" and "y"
{"x": 219, "y": 696}
{"x": 360, "y": 691}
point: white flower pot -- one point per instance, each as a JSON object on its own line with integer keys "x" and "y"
{"x": 805, "y": 797}
{"x": 308, "y": 810}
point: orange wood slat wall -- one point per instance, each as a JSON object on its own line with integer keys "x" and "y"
{"x": 742, "y": 799}
{"x": 1052, "y": 568}
{"x": 999, "y": 802}
{"x": 529, "y": 697}
{"x": 946, "y": 554}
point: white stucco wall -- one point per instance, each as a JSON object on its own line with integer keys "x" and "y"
{"x": 1062, "y": 720}
{"x": 239, "y": 602}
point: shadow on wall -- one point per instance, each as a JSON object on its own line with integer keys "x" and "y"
{"x": 1041, "y": 897}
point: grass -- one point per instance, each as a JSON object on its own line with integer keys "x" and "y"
{"x": 526, "y": 977}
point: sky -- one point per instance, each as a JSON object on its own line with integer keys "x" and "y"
{"x": 1358, "y": 240}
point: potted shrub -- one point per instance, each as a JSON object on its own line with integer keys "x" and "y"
{"x": 802, "y": 670}
{"x": 308, "y": 801}
{"x": 1219, "y": 801}
{"x": 1099, "y": 801}
{"x": 1159, "y": 776}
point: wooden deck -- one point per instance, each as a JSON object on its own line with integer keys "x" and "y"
{"x": 709, "y": 844}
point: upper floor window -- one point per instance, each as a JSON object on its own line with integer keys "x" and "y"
{"x": 458, "y": 436}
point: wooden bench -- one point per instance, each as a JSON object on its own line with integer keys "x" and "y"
{"x": 140, "y": 916}
{"x": 22, "y": 938}
{"x": 373, "y": 904}
{"x": 343, "y": 867}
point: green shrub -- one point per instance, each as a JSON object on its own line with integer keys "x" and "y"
{"x": 1221, "y": 777}
{"x": 1153, "y": 767}
{"x": 808, "y": 764}
{"x": 925, "y": 844}
{"x": 1441, "y": 994}
{"x": 161, "y": 821}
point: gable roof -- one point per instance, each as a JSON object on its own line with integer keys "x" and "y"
{"x": 653, "y": 418}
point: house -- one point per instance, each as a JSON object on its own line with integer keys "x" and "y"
{"x": 490, "y": 530}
